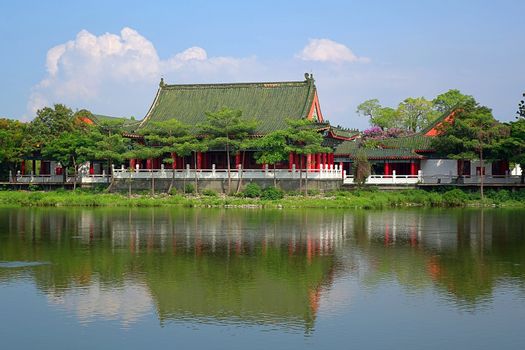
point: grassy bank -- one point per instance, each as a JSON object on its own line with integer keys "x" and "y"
{"x": 363, "y": 199}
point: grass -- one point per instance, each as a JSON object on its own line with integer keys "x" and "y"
{"x": 359, "y": 199}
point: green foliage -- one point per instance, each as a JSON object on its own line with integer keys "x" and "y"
{"x": 416, "y": 113}
{"x": 209, "y": 193}
{"x": 51, "y": 123}
{"x": 413, "y": 114}
{"x": 189, "y": 189}
{"x": 252, "y": 190}
{"x": 362, "y": 168}
{"x": 272, "y": 193}
{"x": 14, "y": 143}
{"x": 383, "y": 117}
{"x": 455, "y": 198}
{"x": 473, "y": 135}
{"x": 314, "y": 192}
{"x": 450, "y": 99}
{"x": 272, "y": 148}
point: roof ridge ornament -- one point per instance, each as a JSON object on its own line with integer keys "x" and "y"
{"x": 162, "y": 84}
{"x": 308, "y": 77}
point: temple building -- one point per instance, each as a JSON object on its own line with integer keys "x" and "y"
{"x": 271, "y": 104}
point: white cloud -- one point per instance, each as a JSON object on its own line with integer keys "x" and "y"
{"x": 117, "y": 74}
{"x": 326, "y": 50}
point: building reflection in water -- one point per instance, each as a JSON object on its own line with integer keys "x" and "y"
{"x": 254, "y": 267}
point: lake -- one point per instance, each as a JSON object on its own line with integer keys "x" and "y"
{"x": 258, "y": 279}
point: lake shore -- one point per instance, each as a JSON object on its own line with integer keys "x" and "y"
{"x": 360, "y": 199}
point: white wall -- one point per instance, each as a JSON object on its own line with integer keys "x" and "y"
{"x": 431, "y": 167}
{"x": 475, "y": 163}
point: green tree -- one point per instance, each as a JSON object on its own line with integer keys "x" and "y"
{"x": 14, "y": 144}
{"x": 416, "y": 113}
{"x": 450, "y": 99}
{"x": 50, "y": 123}
{"x": 383, "y": 117}
{"x": 305, "y": 139}
{"x": 361, "y": 168}
{"x": 272, "y": 149}
{"x": 473, "y": 135}
{"x": 173, "y": 137}
{"x": 513, "y": 147}
{"x": 226, "y": 128}
{"x": 521, "y": 108}
{"x": 70, "y": 148}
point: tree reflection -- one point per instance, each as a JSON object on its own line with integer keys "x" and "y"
{"x": 255, "y": 266}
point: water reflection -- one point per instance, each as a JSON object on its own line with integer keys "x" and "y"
{"x": 255, "y": 267}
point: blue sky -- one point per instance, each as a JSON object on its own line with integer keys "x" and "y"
{"x": 108, "y": 57}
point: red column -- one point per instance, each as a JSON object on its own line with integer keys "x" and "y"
{"x": 199, "y": 160}
{"x": 237, "y": 159}
{"x": 331, "y": 159}
{"x": 91, "y": 168}
{"x": 148, "y": 164}
{"x": 290, "y": 160}
{"x": 132, "y": 163}
{"x": 413, "y": 168}
{"x": 387, "y": 168}
{"x": 324, "y": 159}
{"x": 318, "y": 161}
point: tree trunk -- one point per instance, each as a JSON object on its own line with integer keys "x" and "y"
{"x": 300, "y": 173}
{"x": 306, "y": 178}
{"x": 75, "y": 175}
{"x": 274, "y": 178}
{"x": 239, "y": 183}
{"x": 172, "y": 179}
{"x": 64, "y": 174}
{"x": 228, "y": 164}
{"x": 185, "y": 173}
{"x": 195, "y": 166}
{"x": 109, "y": 169}
{"x": 481, "y": 173}
{"x": 152, "y": 181}
{"x": 129, "y": 183}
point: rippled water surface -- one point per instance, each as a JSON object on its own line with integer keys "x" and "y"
{"x": 259, "y": 279}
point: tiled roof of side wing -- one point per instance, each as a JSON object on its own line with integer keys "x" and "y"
{"x": 343, "y": 132}
{"x": 270, "y": 103}
{"x": 351, "y": 148}
{"x": 417, "y": 142}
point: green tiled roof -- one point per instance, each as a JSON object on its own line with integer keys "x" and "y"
{"x": 416, "y": 142}
{"x": 343, "y": 132}
{"x": 270, "y": 103}
{"x": 350, "y": 149}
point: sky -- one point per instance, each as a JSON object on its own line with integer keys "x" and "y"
{"x": 109, "y": 56}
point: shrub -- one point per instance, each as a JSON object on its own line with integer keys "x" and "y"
{"x": 455, "y": 198}
{"x": 209, "y": 193}
{"x": 189, "y": 189}
{"x": 272, "y": 193}
{"x": 499, "y": 196}
{"x": 252, "y": 190}
{"x": 314, "y": 192}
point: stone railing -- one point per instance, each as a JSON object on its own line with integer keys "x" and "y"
{"x": 325, "y": 173}
{"x": 393, "y": 179}
{"x": 420, "y": 178}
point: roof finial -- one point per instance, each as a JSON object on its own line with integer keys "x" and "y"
{"x": 306, "y": 76}
{"x": 161, "y": 84}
